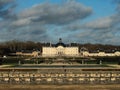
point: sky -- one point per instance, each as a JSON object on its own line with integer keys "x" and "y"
{"x": 79, "y": 21}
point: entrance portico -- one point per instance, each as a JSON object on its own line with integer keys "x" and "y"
{"x": 60, "y": 50}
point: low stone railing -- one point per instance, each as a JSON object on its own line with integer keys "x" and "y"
{"x": 59, "y": 76}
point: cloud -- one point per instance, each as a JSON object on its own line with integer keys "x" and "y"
{"x": 102, "y": 23}
{"x": 108, "y": 22}
{"x": 105, "y": 30}
{"x": 34, "y": 23}
{"x": 117, "y": 3}
{"x": 97, "y": 24}
{"x": 95, "y": 36}
{"x": 21, "y": 22}
{"x": 118, "y": 8}
{"x": 49, "y": 21}
{"x": 7, "y": 8}
{"x": 58, "y": 14}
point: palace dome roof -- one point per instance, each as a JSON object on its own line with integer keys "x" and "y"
{"x": 60, "y": 43}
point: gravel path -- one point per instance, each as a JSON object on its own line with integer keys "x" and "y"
{"x": 58, "y": 87}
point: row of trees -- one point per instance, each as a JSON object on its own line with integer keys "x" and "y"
{"x": 13, "y": 46}
{"x": 100, "y": 47}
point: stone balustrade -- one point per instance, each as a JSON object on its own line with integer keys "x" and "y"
{"x": 61, "y": 76}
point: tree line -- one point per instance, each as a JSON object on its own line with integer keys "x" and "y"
{"x": 13, "y": 46}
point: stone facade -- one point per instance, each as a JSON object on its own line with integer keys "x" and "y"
{"x": 60, "y": 50}
{"x": 34, "y": 54}
{"x": 86, "y": 53}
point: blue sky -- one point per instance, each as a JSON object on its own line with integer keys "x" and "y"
{"x": 81, "y": 21}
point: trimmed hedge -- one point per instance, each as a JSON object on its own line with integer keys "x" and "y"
{"x": 11, "y": 60}
{"x": 21, "y": 60}
{"x": 15, "y": 60}
{"x": 109, "y": 60}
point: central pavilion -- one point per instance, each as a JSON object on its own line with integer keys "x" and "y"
{"x": 60, "y": 49}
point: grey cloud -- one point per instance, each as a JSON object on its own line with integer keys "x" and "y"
{"x": 105, "y": 30}
{"x": 117, "y": 2}
{"x": 20, "y": 22}
{"x": 38, "y": 22}
{"x": 7, "y": 8}
{"x": 33, "y": 23}
{"x": 57, "y": 13}
{"x": 103, "y": 23}
{"x": 26, "y": 33}
{"x": 109, "y": 22}
{"x": 118, "y": 8}
{"x": 92, "y": 36}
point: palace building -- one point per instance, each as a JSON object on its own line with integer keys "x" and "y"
{"x": 60, "y": 49}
